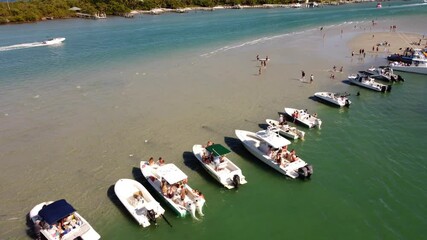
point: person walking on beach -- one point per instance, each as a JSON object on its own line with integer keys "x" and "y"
{"x": 302, "y": 75}
{"x": 311, "y": 78}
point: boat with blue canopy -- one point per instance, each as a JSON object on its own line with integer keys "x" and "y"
{"x": 58, "y": 220}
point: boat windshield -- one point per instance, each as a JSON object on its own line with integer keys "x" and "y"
{"x": 273, "y": 138}
{"x": 171, "y": 173}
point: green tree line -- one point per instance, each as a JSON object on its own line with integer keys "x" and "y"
{"x": 35, "y": 10}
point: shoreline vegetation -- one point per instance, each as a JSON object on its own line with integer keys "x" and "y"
{"x": 40, "y": 10}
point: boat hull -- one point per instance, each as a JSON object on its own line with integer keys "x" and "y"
{"x": 288, "y": 132}
{"x": 330, "y": 98}
{"x": 252, "y": 143}
{"x": 306, "y": 119}
{"x": 125, "y": 190}
{"x": 369, "y": 84}
{"x": 411, "y": 69}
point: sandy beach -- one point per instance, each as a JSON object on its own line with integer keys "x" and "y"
{"x": 192, "y": 97}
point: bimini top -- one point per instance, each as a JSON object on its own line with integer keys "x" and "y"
{"x": 273, "y": 138}
{"x": 171, "y": 173}
{"x": 218, "y": 149}
{"x": 56, "y": 211}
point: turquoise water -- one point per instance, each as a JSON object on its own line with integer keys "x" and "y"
{"x": 91, "y": 44}
{"x": 370, "y": 165}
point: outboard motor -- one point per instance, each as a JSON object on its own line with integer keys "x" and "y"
{"x": 393, "y": 78}
{"x": 236, "y": 181}
{"x": 303, "y": 172}
{"x": 400, "y": 78}
{"x": 388, "y": 88}
{"x": 301, "y": 134}
{"x": 151, "y": 215}
{"x": 318, "y": 123}
{"x": 199, "y": 205}
{"x": 383, "y": 88}
{"x": 347, "y": 103}
{"x": 309, "y": 170}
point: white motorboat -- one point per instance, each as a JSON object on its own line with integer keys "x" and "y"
{"x": 53, "y": 41}
{"x": 418, "y": 65}
{"x": 337, "y": 99}
{"x": 412, "y": 61}
{"x": 138, "y": 201}
{"x": 383, "y": 73}
{"x": 58, "y": 220}
{"x": 368, "y": 82}
{"x": 171, "y": 184}
{"x": 271, "y": 148}
{"x": 303, "y": 117}
{"x": 285, "y": 130}
{"x": 213, "y": 158}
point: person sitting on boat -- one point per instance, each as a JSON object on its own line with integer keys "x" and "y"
{"x": 205, "y": 158}
{"x": 278, "y": 157}
{"x": 151, "y": 161}
{"x": 198, "y": 193}
{"x": 164, "y": 187}
{"x": 183, "y": 193}
{"x": 217, "y": 161}
{"x": 281, "y": 120}
{"x": 292, "y": 156}
{"x": 161, "y": 161}
{"x": 210, "y": 143}
{"x": 171, "y": 192}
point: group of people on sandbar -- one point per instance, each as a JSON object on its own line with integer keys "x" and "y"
{"x": 263, "y": 63}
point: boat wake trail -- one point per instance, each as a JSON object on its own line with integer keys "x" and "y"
{"x": 21, "y": 46}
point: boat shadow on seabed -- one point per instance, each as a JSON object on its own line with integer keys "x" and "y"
{"x": 191, "y": 162}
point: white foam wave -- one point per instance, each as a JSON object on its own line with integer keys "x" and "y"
{"x": 22, "y": 46}
{"x": 265, "y": 39}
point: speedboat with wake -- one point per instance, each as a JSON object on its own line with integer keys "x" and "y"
{"x": 303, "y": 117}
{"x": 213, "y": 158}
{"x": 172, "y": 185}
{"x": 337, "y": 99}
{"x": 58, "y": 220}
{"x": 285, "y": 130}
{"x": 138, "y": 201}
{"x": 52, "y": 41}
{"x": 369, "y": 83}
{"x": 271, "y": 148}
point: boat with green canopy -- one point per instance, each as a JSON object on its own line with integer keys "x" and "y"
{"x": 213, "y": 158}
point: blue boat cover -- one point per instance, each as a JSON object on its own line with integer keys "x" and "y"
{"x": 56, "y": 211}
